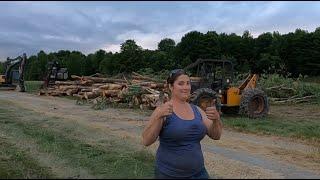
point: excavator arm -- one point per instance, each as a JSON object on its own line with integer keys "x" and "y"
{"x": 249, "y": 82}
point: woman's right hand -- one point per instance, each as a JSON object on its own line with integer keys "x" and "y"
{"x": 165, "y": 109}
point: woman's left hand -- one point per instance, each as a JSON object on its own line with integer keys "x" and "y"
{"x": 212, "y": 112}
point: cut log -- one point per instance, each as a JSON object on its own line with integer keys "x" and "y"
{"x": 91, "y": 95}
{"x": 127, "y": 82}
{"x": 70, "y": 92}
{"x": 97, "y": 75}
{"x": 136, "y": 82}
{"x": 87, "y": 82}
{"x": 67, "y": 87}
{"x": 196, "y": 79}
{"x": 152, "y": 91}
{"x": 110, "y": 86}
{"x": 150, "y": 84}
{"x": 111, "y": 93}
{"x": 66, "y": 82}
{"x": 89, "y": 89}
{"x": 102, "y": 80}
{"x": 141, "y": 77}
{"x": 42, "y": 92}
{"x": 56, "y": 93}
{"x": 96, "y": 85}
{"x": 78, "y": 96}
{"x": 97, "y": 90}
{"x": 136, "y": 100}
{"x": 76, "y": 77}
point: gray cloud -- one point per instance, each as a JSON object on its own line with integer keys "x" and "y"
{"x": 88, "y": 26}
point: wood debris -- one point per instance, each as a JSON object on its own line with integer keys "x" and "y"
{"x": 283, "y": 95}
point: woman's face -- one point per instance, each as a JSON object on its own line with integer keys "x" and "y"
{"x": 181, "y": 87}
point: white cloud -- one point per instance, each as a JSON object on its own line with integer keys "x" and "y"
{"x": 146, "y": 40}
{"x": 111, "y": 47}
{"x": 73, "y": 39}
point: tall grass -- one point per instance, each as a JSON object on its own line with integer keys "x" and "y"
{"x": 32, "y": 86}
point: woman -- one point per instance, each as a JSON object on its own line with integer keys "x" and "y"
{"x": 180, "y": 127}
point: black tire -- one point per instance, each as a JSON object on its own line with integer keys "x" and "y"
{"x": 254, "y": 103}
{"x": 202, "y": 97}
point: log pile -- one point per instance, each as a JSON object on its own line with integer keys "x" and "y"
{"x": 138, "y": 90}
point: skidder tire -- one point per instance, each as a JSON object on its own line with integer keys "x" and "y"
{"x": 254, "y": 103}
{"x": 202, "y": 97}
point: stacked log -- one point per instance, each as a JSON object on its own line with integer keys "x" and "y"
{"x": 138, "y": 90}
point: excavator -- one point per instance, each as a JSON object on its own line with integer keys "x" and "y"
{"x": 13, "y": 79}
{"x": 211, "y": 79}
{"x": 54, "y": 73}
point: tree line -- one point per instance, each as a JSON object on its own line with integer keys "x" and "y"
{"x": 293, "y": 53}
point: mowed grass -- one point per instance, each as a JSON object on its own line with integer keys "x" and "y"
{"x": 304, "y": 128}
{"x": 114, "y": 157}
{"x": 32, "y": 86}
{"x": 15, "y": 163}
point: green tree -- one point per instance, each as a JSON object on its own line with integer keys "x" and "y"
{"x": 166, "y": 45}
{"x": 107, "y": 65}
{"x": 131, "y": 57}
{"x": 246, "y": 52}
{"x": 211, "y": 46}
{"x": 165, "y": 56}
{"x": 262, "y": 46}
{"x": 267, "y": 63}
{"x": 74, "y": 62}
{"x": 160, "y": 60}
{"x": 89, "y": 69}
{"x": 1, "y": 68}
{"x": 97, "y": 58}
{"x": 313, "y": 65}
{"x": 42, "y": 64}
{"x": 33, "y": 71}
{"x": 189, "y": 48}
{"x": 297, "y": 52}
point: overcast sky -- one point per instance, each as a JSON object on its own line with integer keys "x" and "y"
{"x": 89, "y": 26}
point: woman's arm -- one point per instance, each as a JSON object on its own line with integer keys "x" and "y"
{"x": 154, "y": 125}
{"x": 211, "y": 119}
{"x": 152, "y": 129}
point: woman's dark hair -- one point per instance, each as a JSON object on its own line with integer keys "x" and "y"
{"x": 174, "y": 74}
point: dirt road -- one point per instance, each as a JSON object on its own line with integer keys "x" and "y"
{"x": 235, "y": 155}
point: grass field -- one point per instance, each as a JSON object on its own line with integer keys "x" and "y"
{"x": 308, "y": 129}
{"x": 32, "y": 86}
{"x": 42, "y": 148}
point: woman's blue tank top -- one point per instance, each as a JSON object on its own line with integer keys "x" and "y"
{"x": 179, "y": 153}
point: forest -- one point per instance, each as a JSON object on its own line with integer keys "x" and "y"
{"x": 292, "y": 54}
